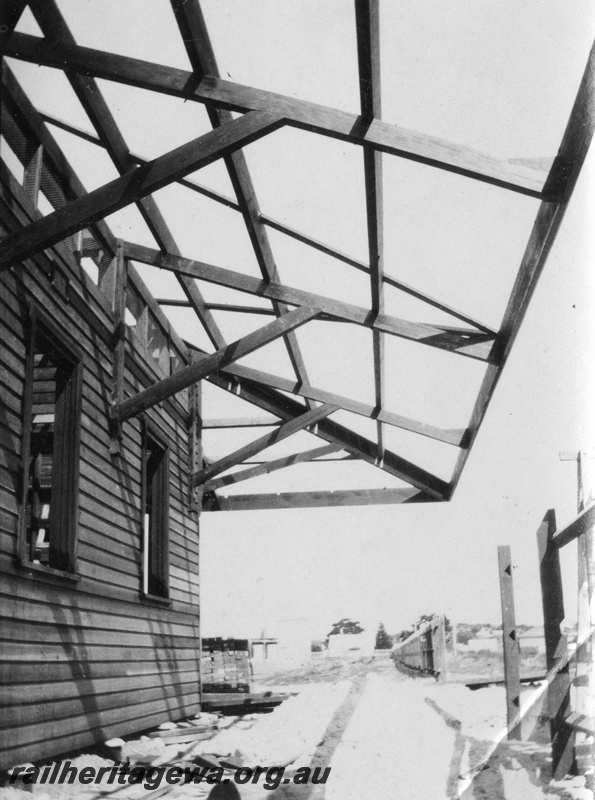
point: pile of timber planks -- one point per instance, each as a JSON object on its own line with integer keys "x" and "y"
{"x": 225, "y": 665}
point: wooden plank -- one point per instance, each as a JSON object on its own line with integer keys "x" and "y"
{"x": 53, "y": 155}
{"x": 240, "y": 422}
{"x": 271, "y": 466}
{"x": 367, "y": 21}
{"x": 467, "y": 342}
{"x": 222, "y": 699}
{"x": 195, "y": 372}
{"x": 302, "y": 114}
{"x": 579, "y": 525}
{"x": 286, "y": 408}
{"x": 266, "y": 502}
{"x": 512, "y": 656}
{"x": 198, "y": 46}
{"x": 452, "y": 436}
{"x": 119, "y": 347}
{"x": 133, "y": 185}
{"x": 557, "y": 193}
{"x": 556, "y": 648}
{"x": 304, "y": 421}
{"x": 288, "y": 231}
{"x": 49, "y": 17}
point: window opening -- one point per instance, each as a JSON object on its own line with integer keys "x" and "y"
{"x": 155, "y": 517}
{"x": 51, "y": 450}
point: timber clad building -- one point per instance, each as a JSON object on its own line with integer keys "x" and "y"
{"x": 99, "y": 543}
{"x": 104, "y": 472}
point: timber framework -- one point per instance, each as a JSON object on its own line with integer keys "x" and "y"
{"x": 106, "y": 467}
{"x": 75, "y": 221}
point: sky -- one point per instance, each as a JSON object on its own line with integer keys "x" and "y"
{"x": 499, "y": 76}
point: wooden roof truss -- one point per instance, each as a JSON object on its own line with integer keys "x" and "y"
{"x": 291, "y": 405}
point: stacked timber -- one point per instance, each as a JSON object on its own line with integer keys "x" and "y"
{"x": 225, "y": 665}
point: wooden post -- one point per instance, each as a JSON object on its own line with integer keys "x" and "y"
{"x": 119, "y": 345}
{"x": 585, "y": 680}
{"x": 195, "y": 452}
{"x": 556, "y": 649}
{"x": 512, "y": 675}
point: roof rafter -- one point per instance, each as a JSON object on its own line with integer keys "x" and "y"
{"x": 292, "y": 233}
{"x": 327, "y": 121}
{"x": 466, "y": 342}
{"x": 271, "y": 466}
{"x": 195, "y": 372}
{"x": 198, "y": 46}
{"x": 560, "y": 184}
{"x": 89, "y": 94}
{"x": 284, "y": 407}
{"x": 454, "y": 436}
{"x": 133, "y": 185}
{"x": 308, "y": 419}
{"x": 367, "y": 22}
{"x": 200, "y": 52}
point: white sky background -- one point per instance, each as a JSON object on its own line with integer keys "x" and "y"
{"x": 496, "y": 76}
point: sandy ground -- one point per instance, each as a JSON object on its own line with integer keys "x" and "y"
{"x": 383, "y": 735}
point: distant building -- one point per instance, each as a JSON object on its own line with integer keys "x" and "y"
{"x": 533, "y": 638}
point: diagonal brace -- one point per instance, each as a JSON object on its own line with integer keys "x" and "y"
{"x": 306, "y": 420}
{"x": 185, "y": 377}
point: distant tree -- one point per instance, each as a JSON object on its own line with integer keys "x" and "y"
{"x": 383, "y": 640}
{"x": 346, "y": 625}
{"x": 405, "y": 634}
{"x": 465, "y": 631}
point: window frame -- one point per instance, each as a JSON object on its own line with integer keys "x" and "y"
{"x": 155, "y": 570}
{"x": 64, "y": 504}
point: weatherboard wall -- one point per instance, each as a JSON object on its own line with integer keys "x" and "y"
{"x": 86, "y": 659}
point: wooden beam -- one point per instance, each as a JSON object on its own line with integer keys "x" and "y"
{"x": 582, "y": 523}
{"x": 453, "y": 436}
{"x": 10, "y": 13}
{"x": 240, "y": 422}
{"x": 136, "y": 183}
{"x": 54, "y": 159}
{"x": 474, "y": 344}
{"x": 367, "y": 22}
{"x": 269, "y": 502}
{"x": 292, "y": 233}
{"x": 271, "y": 466}
{"x": 381, "y": 136}
{"x": 559, "y": 188}
{"x": 556, "y": 647}
{"x": 200, "y": 52}
{"x": 56, "y": 30}
{"x": 186, "y": 376}
{"x": 286, "y": 408}
{"x": 512, "y": 655}
{"x": 119, "y": 344}
{"x": 302, "y": 422}
{"x": 195, "y": 446}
